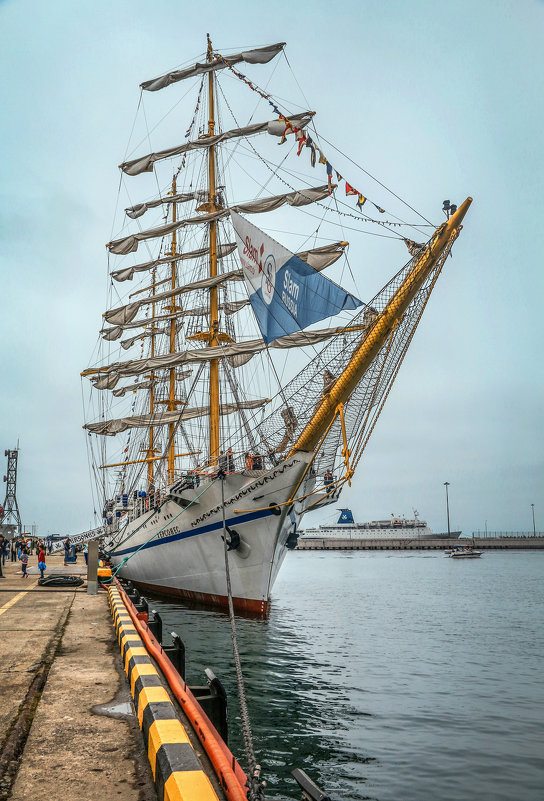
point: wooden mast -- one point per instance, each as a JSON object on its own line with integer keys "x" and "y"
{"x": 373, "y": 340}
{"x": 172, "y": 389}
{"x": 151, "y": 449}
{"x": 213, "y": 310}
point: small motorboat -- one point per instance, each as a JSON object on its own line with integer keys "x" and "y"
{"x": 464, "y": 553}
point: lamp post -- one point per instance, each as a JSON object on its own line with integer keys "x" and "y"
{"x": 446, "y": 484}
{"x": 534, "y": 528}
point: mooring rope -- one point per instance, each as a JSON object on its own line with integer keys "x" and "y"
{"x": 255, "y": 785}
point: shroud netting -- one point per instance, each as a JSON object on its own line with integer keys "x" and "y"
{"x": 303, "y": 394}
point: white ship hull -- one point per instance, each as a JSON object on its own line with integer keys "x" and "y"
{"x": 182, "y": 552}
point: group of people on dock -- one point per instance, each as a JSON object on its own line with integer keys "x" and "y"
{"x": 21, "y": 549}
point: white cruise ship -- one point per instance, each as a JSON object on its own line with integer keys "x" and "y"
{"x": 397, "y": 528}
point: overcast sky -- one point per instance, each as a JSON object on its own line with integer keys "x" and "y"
{"x": 438, "y": 100}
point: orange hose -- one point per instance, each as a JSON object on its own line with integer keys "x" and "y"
{"x": 227, "y": 769}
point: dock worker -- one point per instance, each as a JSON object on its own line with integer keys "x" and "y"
{"x": 249, "y": 461}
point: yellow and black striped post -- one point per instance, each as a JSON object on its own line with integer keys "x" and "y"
{"x": 176, "y": 770}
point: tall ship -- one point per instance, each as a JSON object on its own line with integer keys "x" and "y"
{"x": 394, "y": 528}
{"x": 238, "y": 375}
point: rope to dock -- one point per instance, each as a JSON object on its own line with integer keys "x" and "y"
{"x": 255, "y": 784}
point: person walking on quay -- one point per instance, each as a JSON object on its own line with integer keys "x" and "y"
{"x": 4, "y": 545}
{"x": 14, "y": 550}
{"x": 24, "y": 562}
{"x": 41, "y": 561}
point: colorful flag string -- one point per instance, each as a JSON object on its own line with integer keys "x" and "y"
{"x": 305, "y": 140}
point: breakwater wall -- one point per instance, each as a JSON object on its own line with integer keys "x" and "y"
{"x": 482, "y": 543}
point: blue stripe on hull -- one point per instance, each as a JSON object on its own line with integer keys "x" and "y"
{"x": 194, "y": 532}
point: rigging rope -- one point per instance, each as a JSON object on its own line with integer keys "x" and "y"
{"x": 359, "y": 448}
{"x": 255, "y": 785}
{"x": 303, "y": 139}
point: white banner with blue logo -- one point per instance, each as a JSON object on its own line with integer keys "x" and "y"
{"x": 79, "y": 539}
{"x": 286, "y": 294}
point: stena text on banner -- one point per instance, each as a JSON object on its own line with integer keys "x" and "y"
{"x": 286, "y": 294}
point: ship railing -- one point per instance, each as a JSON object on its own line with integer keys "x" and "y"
{"x": 499, "y": 534}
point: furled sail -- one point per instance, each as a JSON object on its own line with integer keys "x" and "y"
{"x": 128, "y": 343}
{"x": 128, "y": 273}
{"x": 111, "y": 427}
{"x": 123, "y": 317}
{"x": 324, "y": 256}
{"x": 318, "y": 258}
{"x": 136, "y": 211}
{"x": 125, "y": 314}
{"x": 261, "y": 55}
{"x": 111, "y": 374}
{"x": 145, "y": 163}
{"x": 229, "y": 307}
{"x": 286, "y": 294}
{"x": 120, "y": 392}
{"x": 302, "y": 197}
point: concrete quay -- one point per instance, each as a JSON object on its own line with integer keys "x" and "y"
{"x": 482, "y": 543}
{"x": 59, "y": 660}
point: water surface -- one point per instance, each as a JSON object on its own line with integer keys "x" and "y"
{"x": 392, "y": 676}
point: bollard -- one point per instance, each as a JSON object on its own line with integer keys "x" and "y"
{"x": 213, "y": 700}
{"x": 154, "y": 624}
{"x": 92, "y": 568}
{"x": 176, "y": 654}
{"x": 310, "y": 790}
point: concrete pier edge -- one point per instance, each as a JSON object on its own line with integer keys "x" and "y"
{"x": 176, "y": 769}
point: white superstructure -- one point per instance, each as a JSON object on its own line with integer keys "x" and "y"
{"x": 396, "y": 528}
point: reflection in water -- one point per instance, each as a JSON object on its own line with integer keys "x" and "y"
{"x": 390, "y": 676}
{"x": 299, "y": 717}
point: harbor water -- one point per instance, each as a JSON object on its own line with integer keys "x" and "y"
{"x": 392, "y": 676}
